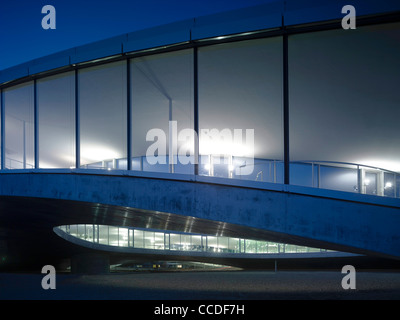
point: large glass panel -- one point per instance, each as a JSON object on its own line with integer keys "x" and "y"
{"x": 103, "y": 115}
{"x": 103, "y": 234}
{"x": 344, "y": 102}
{"x": 148, "y": 239}
{"x": 89, "y": 232}
{"x": 113, "y": 236}
{"x": 162, "y": 91}
{"x": 186, "y": 242}
{"x": 223, "y": 243}
{"x": 175, "y": 241}
{"x": 159, "y": 240}
{"x": 212, "y": 243}
{"x": 19, "y": 127}
{"x": 240, "y": 109}
{"x": 273, "y": 247}
{"x": 81, "y": 231}
{"x": 138, "y": 239}
{"x": 233, "y": 245}
{"x": 338, "y": 178}
{"x": 73, "y": 230}
{"x": 262, "y": 247}
{"x": 242, "y": 245}
{"x": 301, "y": 174}
{"x": 56, "y": 121}
{"x": 123, "y": 237}
{"x": 251, "y": 246}
{"x": 196, "y": 243}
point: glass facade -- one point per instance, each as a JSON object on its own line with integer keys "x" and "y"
{"x": 169, "y": 240}
{"x": 240, "y": 110}
{"x": 56, "y": 121}
{"x": 162, "y": 111}
{"x": 103, "y": 116}
{"x": 19, "y": 126}
{"x": 344, "y": 109}
{"x": 342, "y": 102}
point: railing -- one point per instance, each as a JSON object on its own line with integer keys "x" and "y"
{"x": 341, "y": 176}
{"x": 17, "y": 164}
{"x": 344, "y": 176}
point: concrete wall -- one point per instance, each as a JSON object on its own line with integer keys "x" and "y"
{"x": 351, "y": 222}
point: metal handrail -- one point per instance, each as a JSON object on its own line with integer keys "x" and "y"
{"x": 271, "y": 172}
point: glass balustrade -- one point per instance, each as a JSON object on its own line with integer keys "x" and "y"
{"x": 141, "y": 113}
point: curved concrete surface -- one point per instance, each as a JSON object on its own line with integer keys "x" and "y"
{"x": 310, "y": 217}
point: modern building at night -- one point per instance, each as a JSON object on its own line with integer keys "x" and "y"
{"x": 237, "y": 138}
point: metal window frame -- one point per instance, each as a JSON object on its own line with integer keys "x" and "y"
{"x": 283, "y": 31}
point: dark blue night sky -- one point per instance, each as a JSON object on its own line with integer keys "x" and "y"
{"x": 80, "y": 22}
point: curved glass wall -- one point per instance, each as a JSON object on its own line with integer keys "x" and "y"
{"x": 168, "y": 240}
{"x": 344, "y": 109}
{"x": 342, "y": 98}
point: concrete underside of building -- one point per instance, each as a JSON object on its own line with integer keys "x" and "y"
{"x": 285, "y": 201}
{"x": 32, "y": 204}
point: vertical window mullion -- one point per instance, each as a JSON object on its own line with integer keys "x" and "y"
{"x": 35, "y": 126}
{"x": 129, "y": 115}
{"x": 286, "y": 156}
{"x": 77, "y": 123}
{"x": 196, "y": 109}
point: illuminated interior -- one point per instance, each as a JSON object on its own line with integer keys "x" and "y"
{"x": 137, "y": 238}
{"x": 343, "y": 135}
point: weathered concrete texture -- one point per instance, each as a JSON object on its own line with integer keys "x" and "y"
{"x": 357, "y": 223}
